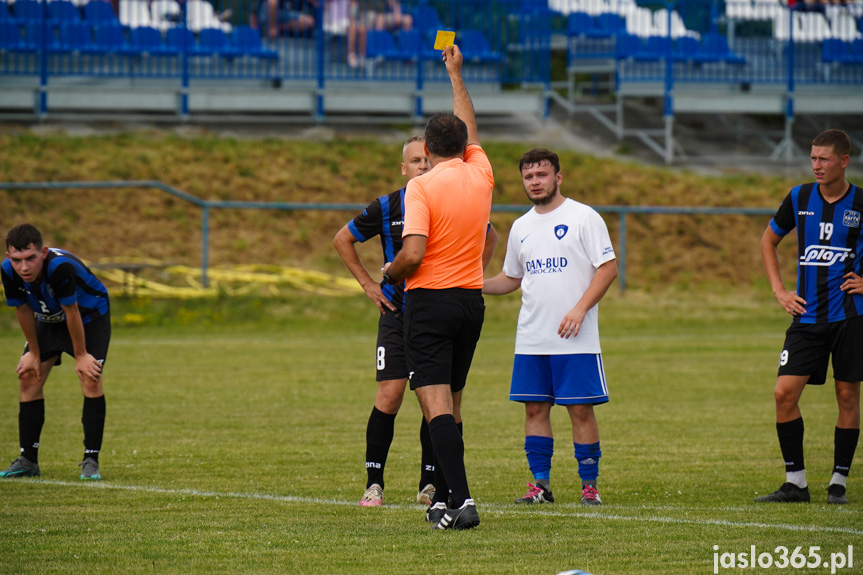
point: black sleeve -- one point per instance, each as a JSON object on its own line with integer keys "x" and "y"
{"x": 368, "y": 224}
{"x": 62, "y": 281}
{"x": 785, "y": 217}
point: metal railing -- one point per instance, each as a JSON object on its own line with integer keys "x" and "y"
{"x": 735, "y": 42}
{"x": 206, "y": 206}
{"x": 232, "y": 42}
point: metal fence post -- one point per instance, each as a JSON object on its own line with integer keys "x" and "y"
{"x": 320, "y": 43}
{"x": 205, "y": 242}
{"x": 668, "y": 107}
{"x": 42, "y": 104}
{"x": 621, "y": 259}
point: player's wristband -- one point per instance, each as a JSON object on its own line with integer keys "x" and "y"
{"x": 388, "y": 279}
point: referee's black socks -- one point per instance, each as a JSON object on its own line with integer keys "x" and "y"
{"x": 449, "y": 452}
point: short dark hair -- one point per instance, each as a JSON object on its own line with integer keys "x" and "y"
{"x": 836, "y": 139}
{"x": 446, "y": 135}
{"x": 21, "y": 236}
{"x": 537, "y": 156}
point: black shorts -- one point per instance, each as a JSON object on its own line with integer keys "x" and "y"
{"x": 808, "y": 348}
{"x": 54, "y": 339}
{"x": 441, "y": 331}
{"x": 390, "y": 352}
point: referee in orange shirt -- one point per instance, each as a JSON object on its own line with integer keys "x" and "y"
{"x": 446, "y": 216}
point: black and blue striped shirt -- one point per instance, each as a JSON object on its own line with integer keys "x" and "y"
{"x": 829, "y": 245}
{"x": 384, "y": 217}
{"x": 65, "y": 280}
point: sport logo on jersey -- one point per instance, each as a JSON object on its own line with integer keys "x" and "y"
{"x": 824, "y": 255}
{"x": 560, "y": 231}
{"x": 851, "y": 219}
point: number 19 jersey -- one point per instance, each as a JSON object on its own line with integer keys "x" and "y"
{"x": 829, "y": 244}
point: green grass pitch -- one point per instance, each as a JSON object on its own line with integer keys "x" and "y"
{"x": 237, "y": 446}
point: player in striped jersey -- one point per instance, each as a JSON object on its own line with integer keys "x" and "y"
{"x": 826, "y": 310}
{"x": 384, "y": 217}
{"x": 61, "y": 307}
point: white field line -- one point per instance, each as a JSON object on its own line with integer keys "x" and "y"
{"x": 492, "y": 508}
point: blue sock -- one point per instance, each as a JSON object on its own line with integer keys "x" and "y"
{"x": 587, "y": 455}
{"x": 539, "y": 450}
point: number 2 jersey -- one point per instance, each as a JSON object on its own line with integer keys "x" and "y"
{"x": 65, "y": 280}
{"x": 829, "y": 244}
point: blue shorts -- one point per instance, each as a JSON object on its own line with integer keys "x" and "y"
{"x": 560, "y": 379}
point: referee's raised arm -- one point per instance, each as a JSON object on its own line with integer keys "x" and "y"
{"x": 462, "y": 105}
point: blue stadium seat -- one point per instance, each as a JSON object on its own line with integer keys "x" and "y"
{"x": 475, "y": 48}
{"x": 627, "y": 46}
{"x": 182, "y": 39}
{"x": 110, "y": 39}
{"x": 5, "y": 14}
{"x": 411, "y": 44}
{"x": 534, "y": 6}
{"x": 10, "y": 38}
{"x": 654, "y": 48}
{"x": 247, "y": 41}
{"x": 834, "y": 50}
{"x": 148, "y": 40}
{"x": 426, "y": 19}
{"x": 214, "y": 41}
{"x": 380, "y": 44}
{"x": 611, "y": 24}
{"x": 99, "y": 12}
{"x": 61, "y": 11}
{"x": 34, "y": 33}
{"x": 27, "y": 10}
{"x": 714, "y": 48}
{"x": 855, "y": 52}
{"x": 76, "y": 37}
{"x": 580, "y": 24}
{"x": 686, "y": 49}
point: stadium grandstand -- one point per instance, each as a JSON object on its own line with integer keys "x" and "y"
{"x": 372, "y": 60}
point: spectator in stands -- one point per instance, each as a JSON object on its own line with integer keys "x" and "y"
{"x": 336, "y": 16}
{"x": 377, "y": 15}
{"x": 296, "y": 17}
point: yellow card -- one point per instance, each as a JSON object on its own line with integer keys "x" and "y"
{"x": 443, "y": 39}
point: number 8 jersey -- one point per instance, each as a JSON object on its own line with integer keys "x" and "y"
{"x": 829, "y": 245}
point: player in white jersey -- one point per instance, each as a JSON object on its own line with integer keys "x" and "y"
{"x": 561, "y": 256}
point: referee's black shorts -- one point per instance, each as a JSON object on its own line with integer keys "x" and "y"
{"x": 54, "y": 339}
{"x": 442, "y": 328}
{"x": 808, "y": 348}
{"x": 390, "y": 360}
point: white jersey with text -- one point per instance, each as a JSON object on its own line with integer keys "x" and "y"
{"x": 556, "y": 256}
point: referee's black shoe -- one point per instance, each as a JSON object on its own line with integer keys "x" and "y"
{"x": 465, "y": 517}
{"x": 788, "y": 493}
{"x": 836, "y": 494}
{"x": 435, "y": 512}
